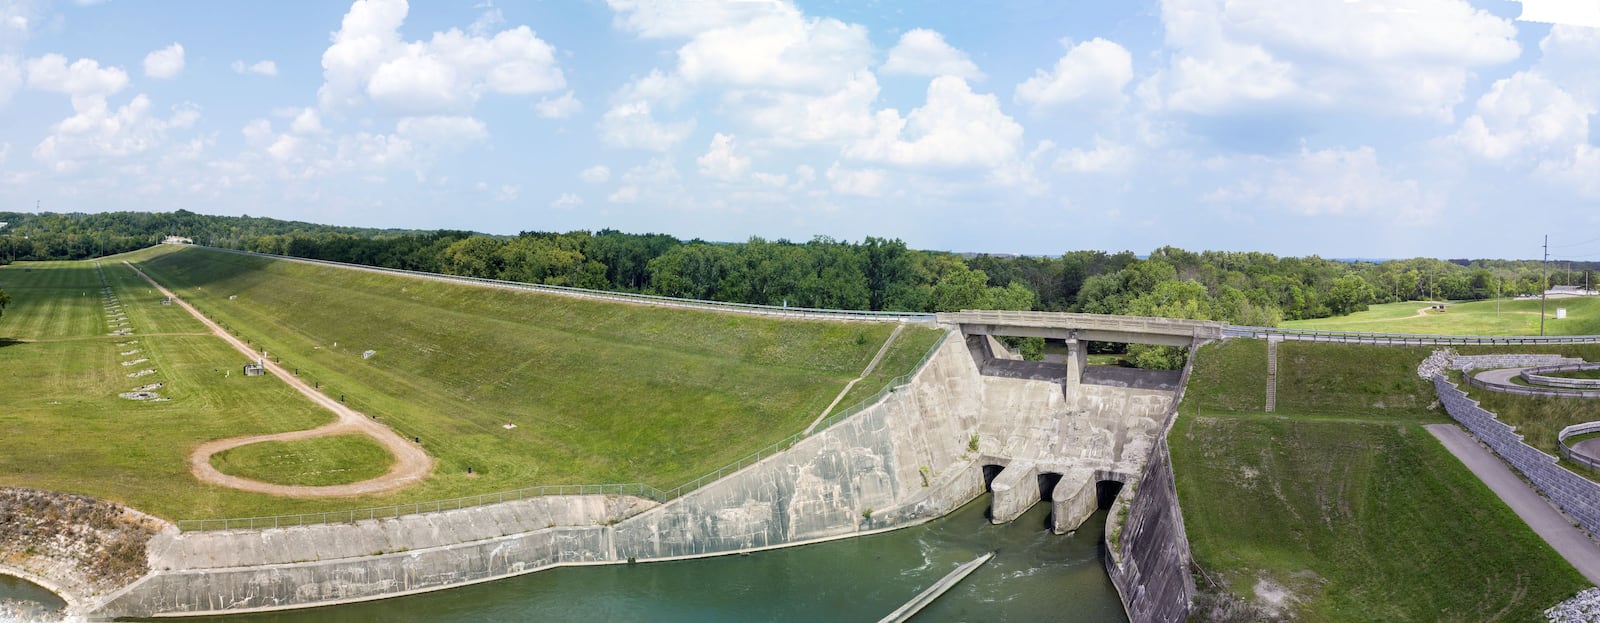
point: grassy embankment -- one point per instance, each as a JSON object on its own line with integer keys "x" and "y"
{"x": 1340, "y": 506}
{"x": 66, "y": 429}
{"x": 1505, "y": 317}
{"x": 333, "y": 460}
{"x": 599, "y": 392}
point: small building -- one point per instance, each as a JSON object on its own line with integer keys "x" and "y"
{"x": 177, "y": 240}
{"x": 166, "y": 300}
{"x": 254, "y": 369}
{"x": 1556, "y": 292}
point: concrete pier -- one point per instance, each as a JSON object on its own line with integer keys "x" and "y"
{"x": 1015, "y": 490}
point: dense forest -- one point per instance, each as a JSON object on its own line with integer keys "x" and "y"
{"x": 876, "y": 273}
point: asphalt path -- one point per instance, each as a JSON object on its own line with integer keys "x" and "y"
{"x": 1552, "y": 526}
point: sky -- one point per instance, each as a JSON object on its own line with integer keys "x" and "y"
{"x": 1342, "y": 128}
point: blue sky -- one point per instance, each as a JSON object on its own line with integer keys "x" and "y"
{"x": 1345, "y": 128}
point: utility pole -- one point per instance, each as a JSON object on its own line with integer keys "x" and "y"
{"x": 1545, "y": 277}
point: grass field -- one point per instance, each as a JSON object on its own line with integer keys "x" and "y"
{"x": 1506, "y": 317}
{"x": 1340, "y": 506}
{"x": 599, "y": 392}
{"x": 66, "y": 429}
{"x": 334, "y": 460}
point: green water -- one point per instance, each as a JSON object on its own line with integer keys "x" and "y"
{"x": 1034, "y": 576}
{"x": 20, "y": 590}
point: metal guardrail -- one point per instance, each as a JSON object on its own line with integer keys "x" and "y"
{"x": 639, "y": 489}
{"x": 1402, "y": 339}
{"x": 1566, "y": 451}
{"x": 1540, "y": 376}
{"x": 624, "y": 297}
{"x": 1473, "y": 380}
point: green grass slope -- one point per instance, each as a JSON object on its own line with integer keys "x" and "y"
{"x": 1505, "y": 317}
{"x": 66, "y": 429}
{"x": 335, "y": 460}
{"x": 599, "y": 392}
{"x": 1341, "y": 507}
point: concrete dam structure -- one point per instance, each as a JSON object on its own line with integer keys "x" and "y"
{"x": 974, "y": 417}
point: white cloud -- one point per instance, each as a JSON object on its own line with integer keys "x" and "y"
{"x": 720, "y": 162}
{"x": 1567, "y": 57}
{"x": 1405, "y": 57}
{"x": 805, "y": 118}
{"x": 859, "y": 182}
{"x": 923, "y": 52}
{"x": 1580, "y": 172}
{"x": 1094, "y": 70}
{"x": 630, "y": 125}
{"x": 683, "y": 18}
{"x": 625, "y": 194}
{"x": 1569, "y": 12}
{"x": 1106, "y": 157}
{"x": 10, "y": 77}
{"x": 785, "y": 50}
{"x": 777, "y": 180}
{"x": 1332, "y": 182}
{"x": 96, "y": 132}
{"x": 1525, "y": 112}
{"x": 597, "y": 174}
{"x": 442, "y": 131}
{"x": 559, "y": 108}
{"x": 307, "y": 122}
{"x": 448, "y": 73}
{"x": 507, "y": 193}
{"x": 165, "y": 63}
{"x": 566, "y": 201}
{"x": 955, "y": 128}
{"x": 261, "y": 68}
{"x": 83, "y": 78}
{"x": 257, "y": 132}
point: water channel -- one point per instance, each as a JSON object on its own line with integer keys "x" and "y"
{"x": 1035, "y": 576}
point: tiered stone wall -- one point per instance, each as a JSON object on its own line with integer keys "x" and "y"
{"x": 1578, "y": 496}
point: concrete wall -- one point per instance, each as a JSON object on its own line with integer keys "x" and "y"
{"x": 1150, "y": 567}
{"x": 1579, "y": 497}
{"x": 821, "y": 488}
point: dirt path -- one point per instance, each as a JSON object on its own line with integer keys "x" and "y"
{"x": 411, "y": 463}
{"x": 871, "y": 365}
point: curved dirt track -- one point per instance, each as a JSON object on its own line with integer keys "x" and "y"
{"x": 411, "y": 463}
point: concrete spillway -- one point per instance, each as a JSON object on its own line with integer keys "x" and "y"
{"x": 905, "y": 461}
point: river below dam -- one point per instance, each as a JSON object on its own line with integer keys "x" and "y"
{"x": 1034, "y": 576}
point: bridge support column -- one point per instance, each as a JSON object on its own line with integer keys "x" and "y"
{"x": 1015, "y": 491}
{"x": 1077, "y": 358}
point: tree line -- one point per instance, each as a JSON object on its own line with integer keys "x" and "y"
{"x": 874, "y": 274}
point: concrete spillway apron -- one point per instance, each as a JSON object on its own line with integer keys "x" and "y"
{"x": 911, "y": 608}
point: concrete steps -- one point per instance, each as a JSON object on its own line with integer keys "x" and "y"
{"x": 1272, "y": 373}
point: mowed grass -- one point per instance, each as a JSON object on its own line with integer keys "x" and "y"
{"x": 1359, "y": 521}
{"x": 333, "y": 460}
{"x": 1342, "y": 498}
{"x": 598, "y": 392}
{"x": 1505, "y": 317}
{"x": 1325, "y": 379}
{"x": 904, "y": 354}
{"x": 66, "y": 429}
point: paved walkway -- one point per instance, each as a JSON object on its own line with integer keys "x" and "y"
{"x": 411, "y": 463}
{"x": 1546, "y": 521}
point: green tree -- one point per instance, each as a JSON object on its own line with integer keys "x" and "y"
{"x": 5, "y": 299}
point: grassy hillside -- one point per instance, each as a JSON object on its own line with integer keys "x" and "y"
{"x": 599, "y": 392}
{"x": 66, "y": 429}
{"x": 1507, "y": 317}
{"x": 1340, "y": 506}
{"x": 1313, "y": 378}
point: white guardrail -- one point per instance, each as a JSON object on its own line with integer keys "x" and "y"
{"x": 1402, "y": 339}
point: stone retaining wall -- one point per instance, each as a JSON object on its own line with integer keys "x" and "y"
{"x": 1579, "y": 497}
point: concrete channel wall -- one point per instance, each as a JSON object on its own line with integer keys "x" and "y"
{"x": 1579, "y": 497}
{"x": 1149, "y": 559}
{"x": 901, "y": 462}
